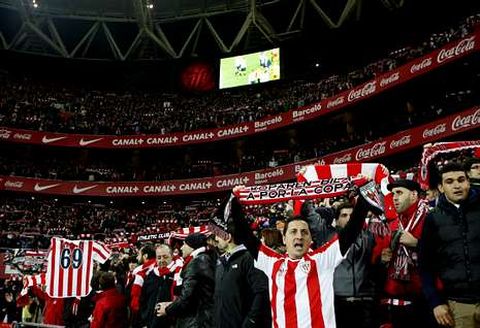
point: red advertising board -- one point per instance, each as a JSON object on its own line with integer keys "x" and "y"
{"x": 433, "y": 131}
{"x": 420, "y": 66}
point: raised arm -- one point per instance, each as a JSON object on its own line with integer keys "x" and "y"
{"x": 242, "y": 228}
{"x": 349, "y": 234}
{"x": 317, "y": 224}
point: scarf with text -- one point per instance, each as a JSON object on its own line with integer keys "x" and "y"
{"x": 280, "y": 192}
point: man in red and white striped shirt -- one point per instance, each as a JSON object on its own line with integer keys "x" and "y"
{"x": 70, "y": 266}
{"x": 301, "y": 281}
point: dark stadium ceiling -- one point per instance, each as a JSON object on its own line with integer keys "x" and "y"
{"x": 164, "y": 29}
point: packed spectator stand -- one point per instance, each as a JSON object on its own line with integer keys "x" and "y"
{"x": 28, "y": 222}
{"x": 36, "y": 105}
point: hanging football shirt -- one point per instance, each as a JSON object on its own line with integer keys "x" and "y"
{"x": 70, "y": 266}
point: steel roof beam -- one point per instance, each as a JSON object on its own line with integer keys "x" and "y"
{"x": 216, "y": 36}
{"x": 134, "y": 43}
{"x": 4, "y": 42}
{"x": 113, "y": 44}
{"x": 56, "y": 36}
{"x": 347, "y": 10}
{"x": 89, "y": 35}
{"x": 196, "y": 29}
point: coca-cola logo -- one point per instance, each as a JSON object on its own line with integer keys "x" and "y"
{"x": 405, "y": 140}
{"x": 462, "y": 47}
{"x": 375, "y": 150}
{"x": 439, "y": 129}
{"x": 14, "y": 184}
{"x": 462, "y": 122}
{"x": 338, "y": 101}
{"x": 392, "y": 78}
{"x": 5, "y": 134}
{"x": 344, "y": 159}
{"x": 420, "y": 66}
{"x": 366, "y": 90}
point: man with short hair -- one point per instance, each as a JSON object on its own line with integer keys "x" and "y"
{"x": 147, "y": 259}
{"x": 110, "y": 306}
{"x": 354, "y": 282}
{"x": 194, "y": 305}
{"x": 301, "y": 281}
{"x": 450, "y": 251}
{"x": 403, "y": 299}
{"x": 241, "y": 290}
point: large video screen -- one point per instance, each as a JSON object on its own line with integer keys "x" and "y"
{"x": 248, "y": 69}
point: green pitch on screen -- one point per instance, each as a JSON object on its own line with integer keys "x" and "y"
{"x": 247, "y": 69}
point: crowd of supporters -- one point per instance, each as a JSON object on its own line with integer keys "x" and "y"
{"x": 31, "y": 104}
{"x": 71, "y": 166}
{"x": 383, "y": 292}
{"x": 388, "y": 272}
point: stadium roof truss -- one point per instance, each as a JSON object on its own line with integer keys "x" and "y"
{"x": 159, "y": 29}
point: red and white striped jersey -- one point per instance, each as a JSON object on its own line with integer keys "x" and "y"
{"x": 70, "y": 266}
{"x": 182, "y": 233}
{"x": 301, "y": 291}
{"x": 30, "y": 281}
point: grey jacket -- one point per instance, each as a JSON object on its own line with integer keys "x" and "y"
{"x": 354, "y": 277}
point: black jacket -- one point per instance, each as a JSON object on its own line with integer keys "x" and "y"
{"x": 155, "y": 289}
{"x": 194, "y": 307}
{"x": 241, "y": 293}
{"x": 450, "y": 250}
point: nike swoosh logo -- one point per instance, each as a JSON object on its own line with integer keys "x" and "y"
{"x": 87, "y": 142}
{"x": 37, "y": 187}
{"x": 77, "y": 190}
{"x": 47, "y": 140}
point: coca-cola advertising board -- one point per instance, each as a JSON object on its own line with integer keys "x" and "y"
{"x": 415, "y": 68}
{"x": 436, "y": 130}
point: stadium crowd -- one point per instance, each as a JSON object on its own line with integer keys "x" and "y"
{"x": 387, "y": 279}
{"x": 17, "y": 161}
{"x": 27, "y": 103}
{"x": 338, "y": 263}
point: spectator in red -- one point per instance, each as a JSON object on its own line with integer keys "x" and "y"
{"x": 403, "y": 294}
{"x": 110, "y": 306}
{"x": 53, "y": 313}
